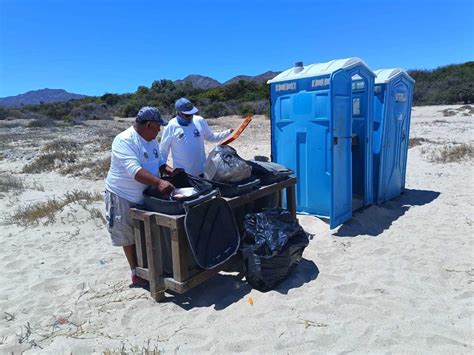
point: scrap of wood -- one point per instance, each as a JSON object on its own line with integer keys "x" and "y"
{"x": 238, "y": 131}
{"x": 309, "y": 323}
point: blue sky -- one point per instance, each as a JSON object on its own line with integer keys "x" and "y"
{"x": 97, "y": 46}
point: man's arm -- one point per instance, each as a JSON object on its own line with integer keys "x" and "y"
{"x": 210, "y": 136}
{"x": 128, "y": 156}
{"x": 147, "y": 178}
{"x": 165, "y": 144}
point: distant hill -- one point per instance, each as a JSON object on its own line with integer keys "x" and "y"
{"x": 36, "y": 97}
{"x": 199, "y": 81}
{"x": 259, "y": 79}
{"x": 449, "y": 84}
{"x": 205, "y": 82}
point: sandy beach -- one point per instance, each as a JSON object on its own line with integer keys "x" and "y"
{"x": 396, "y": 278}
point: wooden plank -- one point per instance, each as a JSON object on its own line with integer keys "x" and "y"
{"x": 181, "y": 287}
{"x": 155, "y": 267}
{"x": 140, "y": 214}
{"x": 179, "y": 251}
{"x": 280, "y": 199}
{"x": 139, "y": 231}
{"x": 143, "y": 273}
{"x": 169, "y": 220}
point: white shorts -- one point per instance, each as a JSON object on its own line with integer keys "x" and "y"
{"x": 119, "y": 223}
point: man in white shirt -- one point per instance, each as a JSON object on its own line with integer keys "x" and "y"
{"x": 135, "y": 164}
{"x": 185, "y": 135}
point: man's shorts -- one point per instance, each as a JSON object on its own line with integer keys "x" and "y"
{"x": 119, "y": 223}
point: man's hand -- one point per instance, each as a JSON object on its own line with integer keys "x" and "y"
{"x": 167, "y": 170}
{"x": 165, "y": 188}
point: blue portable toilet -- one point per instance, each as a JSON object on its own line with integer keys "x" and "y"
{"x": 393, "y": 97}
{"x": 322, "y": 129}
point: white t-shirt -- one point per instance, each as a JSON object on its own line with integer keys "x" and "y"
{"x": 187, "y": 144}
{"x": 130, "y": 153}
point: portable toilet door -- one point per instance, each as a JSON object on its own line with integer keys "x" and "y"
{"x": 393, "y": 97}
{"x": 311, "y": 110}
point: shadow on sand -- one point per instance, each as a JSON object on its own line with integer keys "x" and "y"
{"x": 223, "y": 290}
{"x": 375, "y": 219}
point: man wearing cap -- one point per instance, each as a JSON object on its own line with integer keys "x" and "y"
{"x": 185, "y": 135}
{"x": 135, "y": 164}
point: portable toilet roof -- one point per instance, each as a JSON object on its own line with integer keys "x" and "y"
{"x": 318, "y": 69}
{"x": 383, "y": 76}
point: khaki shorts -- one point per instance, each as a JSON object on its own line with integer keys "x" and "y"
{"x": 119, "y": 223}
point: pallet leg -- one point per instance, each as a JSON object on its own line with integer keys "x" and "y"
{"x": 158, "y": 296}
{"x": 140, "y": 243}
{"x": 291, "y": 200}
{"x": 179, "y": 250}
{"x": 155, "y": 267}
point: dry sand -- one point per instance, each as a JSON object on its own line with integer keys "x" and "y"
{"x": 396, "y": 278}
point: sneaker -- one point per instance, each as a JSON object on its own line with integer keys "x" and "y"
{"x": 138, "y": 282}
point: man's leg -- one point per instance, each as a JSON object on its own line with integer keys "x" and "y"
{"x": 131, "y": 254}
{"x": 121, "y": 232}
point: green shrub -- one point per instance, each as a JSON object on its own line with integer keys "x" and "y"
{"x": 453, "y": 154}
{"x": 10, "y": 182}
{"x": 48, "y": 162}
{"x": 34, "y": 213}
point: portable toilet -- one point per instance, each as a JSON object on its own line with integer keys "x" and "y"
{"x": 393, "y": 99}
{"x": 321, "y": 120}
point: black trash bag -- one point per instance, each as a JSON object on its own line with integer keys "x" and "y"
{"x": 237, "y": 188}
{"x": 273, "y": 245}
{"x": 269, "y": 172}
{"x": 224, "y": 165}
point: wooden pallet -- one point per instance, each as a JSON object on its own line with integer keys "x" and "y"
{"x": 147, "y": 227}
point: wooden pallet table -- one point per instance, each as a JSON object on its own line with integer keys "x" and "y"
{"x": 150, "y": 227}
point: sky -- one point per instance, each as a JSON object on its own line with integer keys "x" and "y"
{"x": 97, "y": 46}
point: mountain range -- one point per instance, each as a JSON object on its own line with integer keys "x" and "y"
{"x": 36, "y": 97}
{"x": 205, "y": 82}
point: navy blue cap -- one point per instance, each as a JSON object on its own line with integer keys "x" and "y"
{"x": 148, "y": 113}
{"x": 185, "y": 106}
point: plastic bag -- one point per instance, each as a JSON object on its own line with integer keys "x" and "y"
{"x": 273, "y": 245}
{"x": 269, "y": 172}
{"x": 224, "y": 165}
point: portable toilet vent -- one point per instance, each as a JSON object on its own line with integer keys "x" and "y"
{"x": 322, "y": 129}
{"x": 393, "y": 97}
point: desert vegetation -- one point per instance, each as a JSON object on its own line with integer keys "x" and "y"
{"x": 416, "y": 141}
{"x": 68, "y": 157}
{"x": 449, "y": 84}
{"x": 90, "y": 169}
{"x": 449, "y": 153}
{"x": 9, "y": 182}
{"x": 45, "y": 212}
{"x": 49, "y": 162}
{"x": 445, "y": 85}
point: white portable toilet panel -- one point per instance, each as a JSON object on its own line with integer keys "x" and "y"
{"x": 322, "y": 129}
